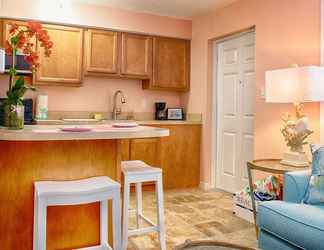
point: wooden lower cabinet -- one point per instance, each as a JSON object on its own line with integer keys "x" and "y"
{"x": 178, "y": 154}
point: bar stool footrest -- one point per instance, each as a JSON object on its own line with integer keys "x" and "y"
{"x": 147, "y": 220}
{"x": 100, "y": 247}
{"x": 144, "y": 230}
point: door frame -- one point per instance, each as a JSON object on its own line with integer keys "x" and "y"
{"x": 215, "y": 174}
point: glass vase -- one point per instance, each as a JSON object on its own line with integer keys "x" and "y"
{"x": 14, "y": 116}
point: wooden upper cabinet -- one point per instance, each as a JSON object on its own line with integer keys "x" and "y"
{"x": 101, "y": 52}
{"x": 1, "y": 34}
{"x": 171, "y": 65}
{"x": 64, "y": 66}
{"x": 136, "y": 56}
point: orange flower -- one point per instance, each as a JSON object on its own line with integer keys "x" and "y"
{"x": 43, "y": 36}
{"x": 32, "y": 59}
{"x": 50, "y": 44}
{"x": 13, "y": 28}
{"x": 8, "y": 48}
{"x": 34, "y": 27}
{"x": 21, "y": 40}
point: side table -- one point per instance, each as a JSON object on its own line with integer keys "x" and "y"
{"x": 272, "y": 166}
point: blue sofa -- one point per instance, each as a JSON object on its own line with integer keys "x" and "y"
{"x": 289, "y": 224}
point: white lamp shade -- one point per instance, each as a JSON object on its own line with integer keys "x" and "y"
{"x": 300, "y": 84}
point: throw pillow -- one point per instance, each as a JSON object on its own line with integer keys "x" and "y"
{"x": 315, "y": 190}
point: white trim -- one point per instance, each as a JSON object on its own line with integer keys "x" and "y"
{"x": 204, "y": 186}
{"x": 236, "y": 35}
{"x": 218, "y": 123}
{"x": 214, "y": 132}
{"x": 322, "y": 63}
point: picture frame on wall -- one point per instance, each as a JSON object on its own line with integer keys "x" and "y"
{"x": 175, "y": 114}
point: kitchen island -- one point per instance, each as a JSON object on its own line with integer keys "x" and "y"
{"x": 47, "y": 153}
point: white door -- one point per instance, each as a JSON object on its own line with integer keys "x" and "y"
{"x": 235, "y": 100}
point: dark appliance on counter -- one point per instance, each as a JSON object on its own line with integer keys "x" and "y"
{"x": 29, "y": 111}
{"x": 160, "y": 111}
{"x": 22, "y": 66}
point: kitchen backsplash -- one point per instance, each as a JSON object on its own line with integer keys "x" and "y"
{"x": 96, "y": 94}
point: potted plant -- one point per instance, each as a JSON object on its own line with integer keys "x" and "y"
{"x": 20, "y": 39}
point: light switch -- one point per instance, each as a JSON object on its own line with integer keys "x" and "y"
{"x": 262, "y": 92}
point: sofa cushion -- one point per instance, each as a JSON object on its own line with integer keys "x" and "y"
{"x": 268, "y": 241}
{"x": 301, "y": 225}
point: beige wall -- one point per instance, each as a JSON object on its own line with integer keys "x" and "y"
{"x": 96, "y": 93}
{"x": 287, "y": 32}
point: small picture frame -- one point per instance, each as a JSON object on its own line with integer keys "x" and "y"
{"x": 175, "y": 114}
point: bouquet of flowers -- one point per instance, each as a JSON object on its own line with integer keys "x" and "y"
{"x": 20, "y": 38}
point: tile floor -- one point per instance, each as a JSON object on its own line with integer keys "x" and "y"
{"x": 193, "y": 214}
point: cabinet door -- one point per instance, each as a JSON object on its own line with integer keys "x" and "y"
{"x": 136, "y": 56}
{"x": 64, "y": 66}
{"x": 146, "y": 149}
{"x": 101, "y": 52}
{"x": 1, "y": 34}
{"x": 171, "y": 64}
{"x": 180, "y": 154}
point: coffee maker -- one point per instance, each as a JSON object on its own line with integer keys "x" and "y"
{"x": 160, "y": 111}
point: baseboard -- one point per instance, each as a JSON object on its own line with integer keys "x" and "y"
{"x": 204, "y": 186}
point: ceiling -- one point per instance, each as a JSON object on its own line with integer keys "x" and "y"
{"x": 175, "y": 8}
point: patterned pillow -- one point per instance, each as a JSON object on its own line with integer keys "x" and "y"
{"x": 315, "y": 190}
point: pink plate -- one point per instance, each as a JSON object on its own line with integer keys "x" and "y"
{"x": 125, "y": 125}
{"x": 76, "y": 129}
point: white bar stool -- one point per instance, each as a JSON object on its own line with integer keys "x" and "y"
{"x": 59, "y": 193}
{"x": 138, "y": 172}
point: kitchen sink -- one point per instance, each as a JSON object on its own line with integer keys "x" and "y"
{"x": 85, "y": 120}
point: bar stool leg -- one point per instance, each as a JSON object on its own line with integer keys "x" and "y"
{"x": 125, "y": 213}
{"x": 103, "y": 222}
{"x": 116, "y": 222}
{"x": 41, "y": 225}
{"x": 160, "y": 209}
{"x": 139, "y": 207}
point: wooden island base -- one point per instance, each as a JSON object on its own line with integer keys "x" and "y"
{"x": 23, "y": 162}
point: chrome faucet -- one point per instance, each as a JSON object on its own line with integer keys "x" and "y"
{"x": 117, "y": 111}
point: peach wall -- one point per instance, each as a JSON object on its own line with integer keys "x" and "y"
{"x": 96, "y": 93}
{"x": 287, "y": 32}
{"x": 97, "y": 16}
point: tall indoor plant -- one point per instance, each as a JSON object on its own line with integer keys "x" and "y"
{"x": 20, "y": 38}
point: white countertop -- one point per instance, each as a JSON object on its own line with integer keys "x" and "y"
{"x": 102, "y": 131}
{"x": 141, "y": 122}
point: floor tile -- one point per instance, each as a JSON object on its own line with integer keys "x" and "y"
{"x": 196, "y": 215}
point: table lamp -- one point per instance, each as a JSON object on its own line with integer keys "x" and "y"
{"x": 295, "y": 85}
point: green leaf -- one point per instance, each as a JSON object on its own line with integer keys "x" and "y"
{"x": 20, "y": 82}
{"x": 13, "y": 71}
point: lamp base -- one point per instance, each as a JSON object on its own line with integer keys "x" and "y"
{"x": 296, "y": 159}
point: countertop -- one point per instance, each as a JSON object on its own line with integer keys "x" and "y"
{"x": 100, "y": 131}
{"x": 141, "y": 122}
{"x": 169, "y": 122}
